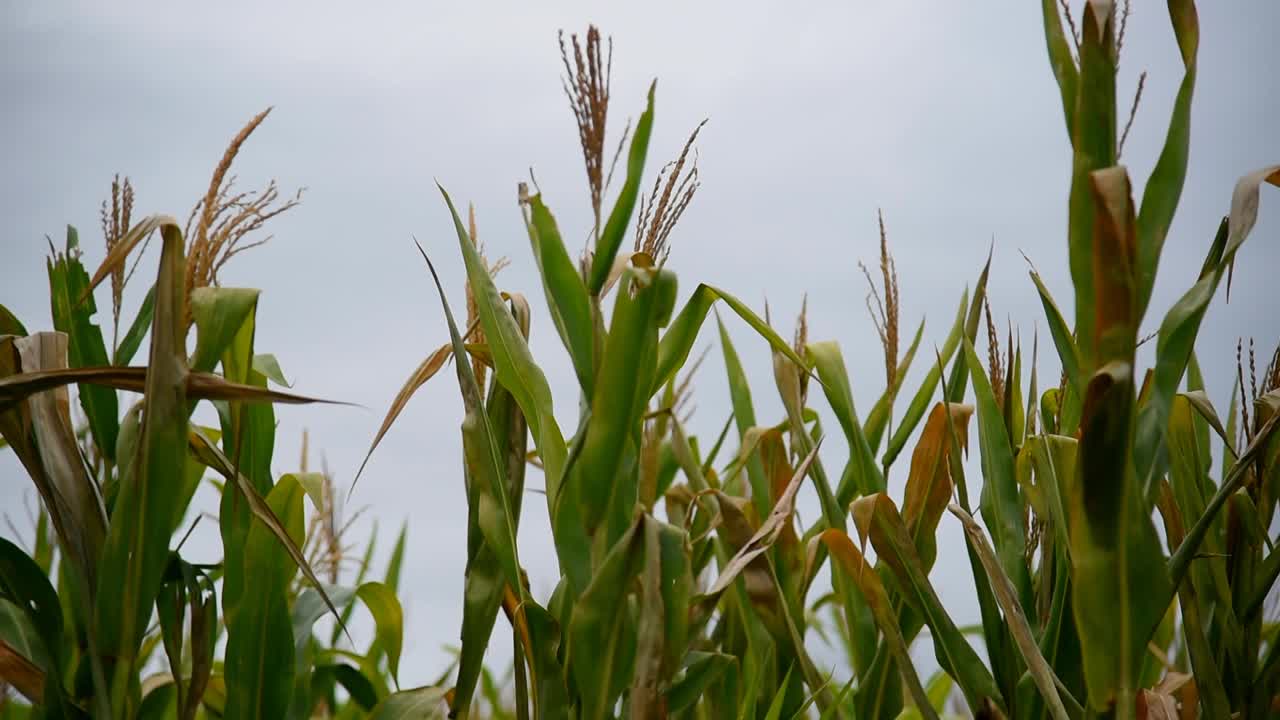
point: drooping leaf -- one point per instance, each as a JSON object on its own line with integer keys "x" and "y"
{"x": 683, "y": 331}
{"x": 514, "y": 364}
{"x": 197, "y": 386}
{"x": 424, "y": 703}
{"x": 388, "y": 621}
{"x": 877, "y": 518}
{"x": 855, "y": 566}
{"x": 424, "y": 372}
{"x": 483, "y": 461}
{"x": 769, "y": 532}
{"x": 1021, "y": 630}
{"x": 40, "y": 433}
{"x": 218, "y": 315}
{"x": 260, "y": 510}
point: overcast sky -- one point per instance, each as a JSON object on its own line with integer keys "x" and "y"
{"x": 943, "y": 114}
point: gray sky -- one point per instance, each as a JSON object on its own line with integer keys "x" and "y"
{"x": 943, "y": 114}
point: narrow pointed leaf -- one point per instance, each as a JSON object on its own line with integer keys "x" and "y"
{"x": 1023, "y": 636}
{"x": 615, "y": 227}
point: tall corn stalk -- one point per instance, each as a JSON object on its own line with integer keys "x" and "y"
{"x": 105, "y": 618}
{"x": 685, "y": 585}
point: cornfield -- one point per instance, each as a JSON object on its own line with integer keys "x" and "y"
{"x": 1120, "y": 543}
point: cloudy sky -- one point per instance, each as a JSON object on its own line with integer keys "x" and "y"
{"x": 944, "y": 115}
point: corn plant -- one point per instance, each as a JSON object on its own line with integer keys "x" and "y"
{"x": 685, "y": 583}
{"x": 104, "y": 617}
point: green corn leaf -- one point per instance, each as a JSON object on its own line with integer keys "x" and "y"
{"x": 31, "y": 625}
{"x": 227, "y": 321}
{"x": 1000, "y": 504}
{"x": 137, "y": 547}
{"x": 994, "y": 633}
{"x": 309, "y": 607}
{"x": 1181, "y": 325}
{"x": 744, "y": 416}
{"x": 1094, "y": 145}
{"x": 1062, "y": 61}
{"x": 547, "y": 675}
{"x": 1013, "y": 418}
{"x": 27, "y": 590}
{"x": 924, "y": 394}
{"x": 219, "y": 315}
{"x": 483, "y": 462}
{"x": 10, "y": 324}
{"x": 513, "y": 363}
{"x": 133, "y": 337}
{"x": 1204, "y": 663}
{"x": 388, "y": 621}
{"x": 21, "y": 657}
{"x": 683, "y": 332}
{"x": 1041, "y": 674}
{"x": 355, "y": 682}
{"x": 865, "y": 477}
{"x": 483, "y": 587}
{"x": 644, "y": 303}
{"x": 1164, "y": 187}
{"x": 615, "y": 227}
{"x": 566, "y": 295}
{"x": 392, "y": 577}
{"x": 68, "y": 282}
{"x": 259, "y": 668}
{"x": 1120, "y": 587}
{"x": 879, "y": 417}
{"x": 955, "y": 386}
{"x": 1187, "y": 481}
{"x": 481, "y": 598}
{"x": 663, "y": 623}
{"x": 243, "y": 493}
{"x": 703, "y": 669}
{"x": 1068, "y": 355}
{"x": 424, "y": 703}
{"x": 1174, "y": 348}
{"x": 878, "y": 519}
{"x": 775, "y": 706}
{"x": 599, "y": 634}
{"x": 266, "y": 365}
